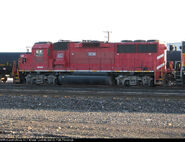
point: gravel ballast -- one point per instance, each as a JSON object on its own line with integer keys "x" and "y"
{"x": 35, "y": 116}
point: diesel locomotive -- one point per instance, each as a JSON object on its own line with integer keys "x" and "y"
{"x": 124, "y": 63}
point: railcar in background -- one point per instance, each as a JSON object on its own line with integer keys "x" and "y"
{"x": 174, "y": 65}
{"x": 6, "y": 63}
{"x": 183, "y": 61}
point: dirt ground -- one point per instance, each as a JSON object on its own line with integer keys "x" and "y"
{"x": 55, "y": 124}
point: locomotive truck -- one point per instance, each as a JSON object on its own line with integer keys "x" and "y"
{"x": 124, "y": 63}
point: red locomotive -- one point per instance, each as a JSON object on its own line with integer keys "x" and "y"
{"x": 124, "y": 63}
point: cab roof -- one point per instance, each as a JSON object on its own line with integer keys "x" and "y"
{"x": 42, "y": 45}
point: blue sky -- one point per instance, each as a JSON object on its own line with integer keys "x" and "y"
{"x": 24, "y": 22}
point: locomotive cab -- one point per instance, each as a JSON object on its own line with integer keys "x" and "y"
{"x": 33, "y": 66}
{"x": 42, "y": 55}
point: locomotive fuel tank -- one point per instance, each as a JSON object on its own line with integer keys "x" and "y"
{"x": 79, "y": 78}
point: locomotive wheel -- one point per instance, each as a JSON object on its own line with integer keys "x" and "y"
{"x": 126, "y": 84}
{"x": 33, "y": 81}
{"x": 170, "y": 83}
{"x": 151, "y": 83}
{"x": 54, "y": 82}
{"x": 140, "y": 83}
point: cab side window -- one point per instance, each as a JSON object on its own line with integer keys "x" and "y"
{"x": 24, "y": 60}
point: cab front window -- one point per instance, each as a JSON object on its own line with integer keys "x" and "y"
{"x": 39, "y": 52}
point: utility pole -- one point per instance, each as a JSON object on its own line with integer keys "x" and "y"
{"x": 108, "y": 35}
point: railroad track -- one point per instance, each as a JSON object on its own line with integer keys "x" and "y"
{"x": 94, "y": 90}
